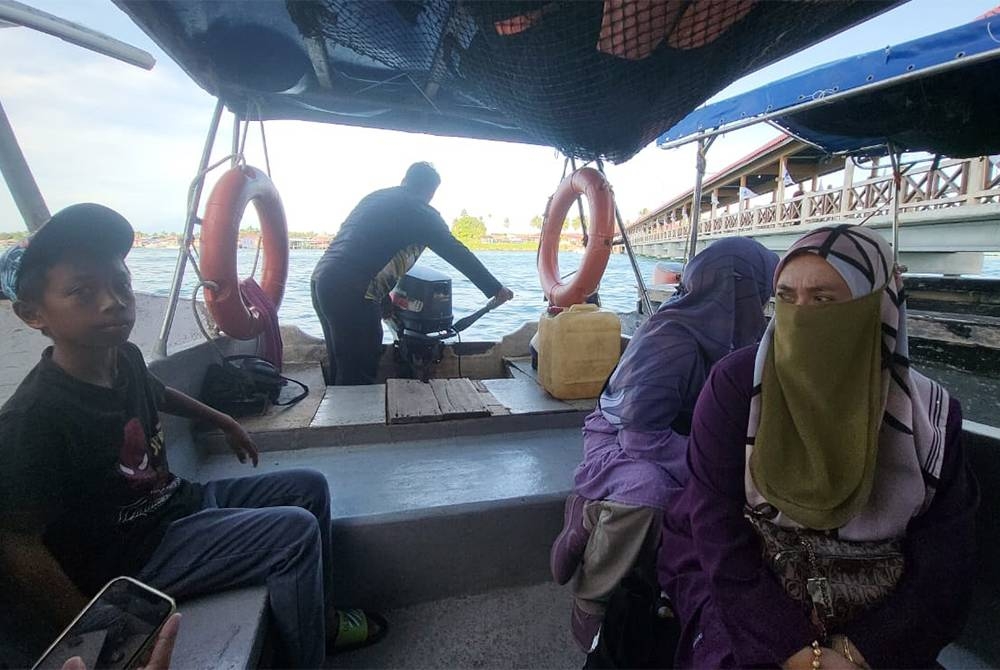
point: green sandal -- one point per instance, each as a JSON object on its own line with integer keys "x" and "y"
{"x": 353, "y": 631}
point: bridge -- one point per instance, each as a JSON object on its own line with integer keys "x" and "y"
{"x": 949, "y": 209}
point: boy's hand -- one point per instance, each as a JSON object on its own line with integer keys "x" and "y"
{"x": 240, "y": 442}
{"x": 181, "y": 404}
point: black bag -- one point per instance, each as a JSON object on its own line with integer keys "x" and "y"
{"x": 246, "y": 385}
{"x": 633, "y": 634}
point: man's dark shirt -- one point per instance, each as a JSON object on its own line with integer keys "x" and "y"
{"x": 383, "y": 223}
{"x": 86, "y": 466}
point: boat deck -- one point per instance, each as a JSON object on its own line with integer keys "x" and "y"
{"x": 446, "y": 524}
{"x": 525, "y": 627}
{"x": 405, "y": 496}
{"x": 399, "y": 476}
{"x": 350, "y": 415}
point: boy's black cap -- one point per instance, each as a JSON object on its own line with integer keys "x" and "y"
{"x": 83, "y": 226}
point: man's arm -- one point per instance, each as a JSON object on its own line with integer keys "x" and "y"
{"x": 448, "y": 247}
{"x": 183, "y": 405}
{"x": 39, "y": 579}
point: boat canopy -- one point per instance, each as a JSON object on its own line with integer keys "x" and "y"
{"x": 937, "y": 94}
{"x": 593, "y": 78}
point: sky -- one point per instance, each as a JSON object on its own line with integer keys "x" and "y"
{"x": 96, "y": 129}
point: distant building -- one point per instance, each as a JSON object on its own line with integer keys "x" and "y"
{"x": 506, "y": 238}
{"x": 248, "y": 239}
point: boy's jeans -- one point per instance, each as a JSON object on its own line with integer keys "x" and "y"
{"x": 271, "y": 529}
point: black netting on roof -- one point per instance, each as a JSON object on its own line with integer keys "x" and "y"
{"x": 594, "y": 78}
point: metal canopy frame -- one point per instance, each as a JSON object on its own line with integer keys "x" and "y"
{"x": 192, "y": 220}
{"x": 981, "y": 48}
{"x": 19, "y": 14}
{"x": 822, "y": 100}
{"x": 925, "y": 57}
{"x": 701, "y": 163}
{"x": 20, "y": 181}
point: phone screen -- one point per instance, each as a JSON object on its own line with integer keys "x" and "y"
{"x": 113, "y": 628}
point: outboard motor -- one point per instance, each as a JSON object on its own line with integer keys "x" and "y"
{"x": 422, "y": 299}
{"x": 421, "y": 319}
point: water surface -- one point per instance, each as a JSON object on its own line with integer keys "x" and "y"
{"x": 152, "y": 270}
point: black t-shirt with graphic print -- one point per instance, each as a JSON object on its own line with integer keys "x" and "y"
{"x": 86, "y": 466}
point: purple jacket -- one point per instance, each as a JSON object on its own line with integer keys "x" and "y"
{"x": 635, "y": 442}
{"x": 736, "y": 614}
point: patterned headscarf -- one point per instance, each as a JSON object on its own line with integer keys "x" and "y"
{"x": 910, "y": 426}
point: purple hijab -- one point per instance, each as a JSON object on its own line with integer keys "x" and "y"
{"x": 635, "y": 442}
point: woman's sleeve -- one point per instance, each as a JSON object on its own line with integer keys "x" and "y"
{"x": 765, "y": 626}
{"x": 929, "y": 606}
{"x": 652, "y": 383}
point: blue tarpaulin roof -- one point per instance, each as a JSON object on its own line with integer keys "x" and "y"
{"x": 939, "y": 93}
{"x": 594, "y": 78}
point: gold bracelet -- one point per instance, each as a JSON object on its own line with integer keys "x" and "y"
{"x": 817, "y": 661}
{"x": 847, "y": 651}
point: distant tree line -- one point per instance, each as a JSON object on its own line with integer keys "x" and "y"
{"x": 467, "y": 228}
{"x": 571, "y": 223}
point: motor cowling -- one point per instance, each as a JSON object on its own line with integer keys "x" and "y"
{"x": 422, "y": 300}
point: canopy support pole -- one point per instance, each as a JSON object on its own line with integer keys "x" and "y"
{"x": 895, "y": 159}
{"x": 19, "y": 179}
{"x": 647, "y": 307}
{"x": 699, "y": 177}
{"x": 194, "y": 200}
{"x": 579, "y": 206}
{"x": 236, "y": 141}
{"x": 22, "y": 15}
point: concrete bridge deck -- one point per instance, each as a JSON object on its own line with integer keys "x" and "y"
{"x": 949, "y": 209}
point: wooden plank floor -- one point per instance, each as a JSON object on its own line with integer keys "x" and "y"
{"x": 495, "y": 407}
{"x": 412, "y": 401}
{"x": 458, "y": 398}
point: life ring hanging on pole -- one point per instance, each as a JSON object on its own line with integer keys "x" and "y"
{"x": 220, "y": 232}
{"x": 600, "y": 198}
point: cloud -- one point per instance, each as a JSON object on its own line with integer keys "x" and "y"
{"x": 96, "y": 129}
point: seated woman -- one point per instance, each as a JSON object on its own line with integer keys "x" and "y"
{"x": 823, "y": 442}
{"x": 635, "y": 442}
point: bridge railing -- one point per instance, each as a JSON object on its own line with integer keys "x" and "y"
{"x": 924, "y": 186}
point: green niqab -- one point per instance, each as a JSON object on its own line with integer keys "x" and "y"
{"x": 822, "y": 400}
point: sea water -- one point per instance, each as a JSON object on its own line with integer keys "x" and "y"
{"x": 152, "y": 271}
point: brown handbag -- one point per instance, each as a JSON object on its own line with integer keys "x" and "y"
{"x": 835, "y": 580}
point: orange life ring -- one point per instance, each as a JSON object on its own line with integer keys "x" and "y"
{"x": 591, "y": 183}
{"x": 220, "y": 231}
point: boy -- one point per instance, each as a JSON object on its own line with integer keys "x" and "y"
{"x": 85, "y": 490}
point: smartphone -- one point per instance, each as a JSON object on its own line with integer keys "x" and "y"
{"x": 114, "y": 629}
